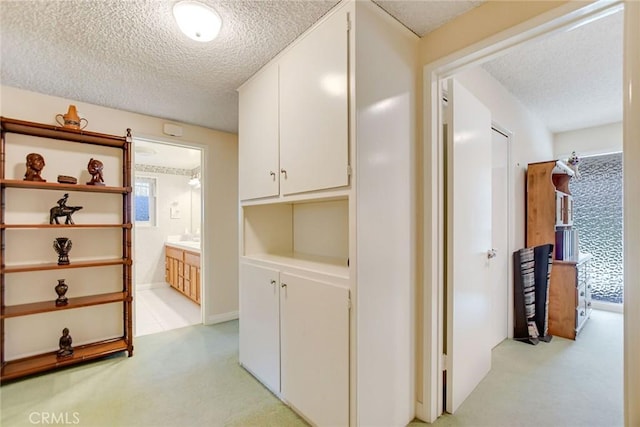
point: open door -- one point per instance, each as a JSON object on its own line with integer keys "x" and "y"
{"x": 468, "y": 243}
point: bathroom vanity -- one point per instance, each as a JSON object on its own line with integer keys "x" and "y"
{"x": 182, "y": 268}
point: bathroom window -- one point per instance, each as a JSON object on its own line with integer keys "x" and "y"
{"x": 145, "y": 194}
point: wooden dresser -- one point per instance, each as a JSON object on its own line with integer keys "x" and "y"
{"x": 569, "y": 297}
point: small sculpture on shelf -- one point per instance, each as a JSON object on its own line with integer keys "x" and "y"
{"x": 62, "y": 245}
{"x": 66, "y": 350}
{"x": 62, "y": 210}
{"x": 61, "y": 289}
{"x": 66, "y": 179}
{"x": 95, "y": 169}
{"x": 574, "y": 161}
{"x": 35, "y": 164}
{"x": 71, "y": 120}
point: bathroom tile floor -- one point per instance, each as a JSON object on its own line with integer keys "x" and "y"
{"x": 161, "y": 309}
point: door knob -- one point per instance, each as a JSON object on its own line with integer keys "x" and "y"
{"x": 491, "y": 253}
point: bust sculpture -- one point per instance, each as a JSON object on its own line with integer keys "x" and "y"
{"x": 95, "y": 169}
{"x": 35, "y": 163}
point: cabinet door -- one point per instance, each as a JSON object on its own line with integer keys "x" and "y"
{"x": 260, "y": 324}
{"x": 314, "y": 110}
{"x": 315, "y": 349}
{"x": 258, "y": 136}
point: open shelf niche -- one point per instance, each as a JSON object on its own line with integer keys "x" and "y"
{"x": 312, "y": 236}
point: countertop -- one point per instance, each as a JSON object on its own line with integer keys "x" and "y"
{"x": 186, "y": 245}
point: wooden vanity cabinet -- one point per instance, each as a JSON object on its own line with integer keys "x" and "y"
{"x": 182, "y": 272}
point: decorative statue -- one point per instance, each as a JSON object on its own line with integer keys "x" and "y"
{"x": 65, "y": 344}
{"x": 62, "y": 245}
{"x": 61, "y": 290}
{"x": 35, "y": 163}
{"x": 62, "y": 210}
{"x": 574, "y": 161}
{"x": 95, "y": 169}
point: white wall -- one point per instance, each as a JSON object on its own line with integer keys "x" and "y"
{"x": 589, "y": 141}
{"x": 220, "y": 170}
{"x": 386, "y": 97}
{"x": 171, "y": 191}
{"x": 531, "y": 141}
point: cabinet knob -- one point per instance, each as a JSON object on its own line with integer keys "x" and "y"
{"x": 273, "y": 282}
{"x": 582, "y": 293}
{"x": 283, "y": 285}
{"x": 284, "y": 172}
{"x": 273, "y": 175}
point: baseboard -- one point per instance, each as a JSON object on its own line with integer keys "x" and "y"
{"x": 224, "y": 317}
{"x": 607, "y": 306}
{"x": 147, "y": 286}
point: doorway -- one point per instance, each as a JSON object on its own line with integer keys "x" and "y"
{"x": 167, "y": 236}
{"x": 435, "y": 184}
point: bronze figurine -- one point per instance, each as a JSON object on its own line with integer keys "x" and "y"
{"x": 62, "y": 245}
{"x": 35, "y": 164}
{"x": 61, "y": 290}
{"x": 62, "y": 210}
{"x": 95, "y": 169}
{"x": 66, "y": 350}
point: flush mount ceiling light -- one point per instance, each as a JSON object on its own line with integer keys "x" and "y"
{"x": 197, "y": 21}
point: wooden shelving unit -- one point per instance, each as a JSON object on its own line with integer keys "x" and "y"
{"x": 13, "y": 183}
{"x": 47, "y": 361}
{"x": 53, "y": 266}
{"x": 569, "y": 288}
{"x": 28, "y": 226}
{"x": 29, "y": 365}
{"x": 48, "y": 306}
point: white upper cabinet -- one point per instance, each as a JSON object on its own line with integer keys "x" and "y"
{"x": 314, "y": 110}
{"x": 294, "y": 118}
{"x": 258, "y": 136}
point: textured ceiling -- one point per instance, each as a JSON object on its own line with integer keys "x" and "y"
{"x": 130, "y": 55}
{"x": 571, "y": 80}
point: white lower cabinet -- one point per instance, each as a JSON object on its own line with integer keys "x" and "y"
{"x": 315, "y": 349}
{"x": 298, "y": 348}
{"x": 260, "y": 324}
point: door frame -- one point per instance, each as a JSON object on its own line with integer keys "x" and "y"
{"x": 557, "y": 20}
{"x": 204, "y": 228}
{"x": 496, "y": 127}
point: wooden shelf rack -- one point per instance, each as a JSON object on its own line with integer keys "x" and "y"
{"x": 19, "y": 367}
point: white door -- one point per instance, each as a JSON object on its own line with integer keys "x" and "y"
{"x": 468, "y": 241}
{"x": 315, "y": 349}
{"x": 499, "y": 266}
{"x": 314, "y": 132}
{"x": 258, "y": 128}
{"x": 260, "y": 323}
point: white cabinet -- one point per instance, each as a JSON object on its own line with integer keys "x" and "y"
{"x": 315, "y": 349}
{"x": 294, "y": 118}
{"x": 260, "y": 323}
{"x": 294, "y": 337}
{"x": 314, "y": 110}
{"x": 258, "y": 136}
{"x": 338, "y": 219}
